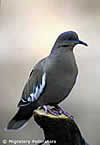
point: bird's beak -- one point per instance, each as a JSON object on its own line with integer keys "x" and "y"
{"x": 81, "y": 42}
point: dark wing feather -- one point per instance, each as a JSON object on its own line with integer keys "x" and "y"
{"x": 33, "y": 88}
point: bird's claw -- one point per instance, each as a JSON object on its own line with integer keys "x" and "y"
{"x": 61, "y": 111}
{"x": 48, "y": 110}
{"x": 58, "y": 111}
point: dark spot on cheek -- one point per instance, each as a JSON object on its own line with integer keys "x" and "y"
{"x": 70, "y": 38}
{"x": 65, "y": 45}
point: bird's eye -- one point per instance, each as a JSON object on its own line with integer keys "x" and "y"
{"x": 70, "y": 38}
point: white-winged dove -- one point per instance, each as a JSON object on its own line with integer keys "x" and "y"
{"x": 50, "y": 81}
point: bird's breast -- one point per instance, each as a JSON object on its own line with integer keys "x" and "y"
{"x": 61, "y": 76}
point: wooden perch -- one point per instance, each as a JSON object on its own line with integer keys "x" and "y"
{"x": 58, "y": 130}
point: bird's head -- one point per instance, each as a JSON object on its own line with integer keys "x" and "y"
{"x": 68, "y": 39}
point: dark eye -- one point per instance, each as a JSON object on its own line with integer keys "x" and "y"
{"x": 70, "y": 38}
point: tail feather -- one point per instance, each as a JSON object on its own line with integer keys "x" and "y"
{"x": 21, "y": 118}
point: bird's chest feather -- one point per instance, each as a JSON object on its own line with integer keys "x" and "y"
{"x": 63, "y": 70}
{"x": 61, "y": 76}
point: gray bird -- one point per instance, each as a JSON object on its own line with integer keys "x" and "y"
{"x": 50, "y": 81}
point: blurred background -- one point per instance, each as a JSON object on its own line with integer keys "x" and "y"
{"x": 28, "y": 30}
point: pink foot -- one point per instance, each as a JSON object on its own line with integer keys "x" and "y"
{"x": 49, "y": 110}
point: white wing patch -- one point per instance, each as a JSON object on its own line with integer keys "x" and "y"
{"x": 23, "y": 100}
{"x": 38, "y": 90}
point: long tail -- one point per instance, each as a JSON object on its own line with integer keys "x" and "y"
{"x": 21, "y": 118}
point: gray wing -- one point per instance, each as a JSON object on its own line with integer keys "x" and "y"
{"x": 33, "y": 88}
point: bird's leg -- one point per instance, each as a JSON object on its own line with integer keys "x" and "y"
{"x": 60, "y": 110}
{"x": 47, "y": 109}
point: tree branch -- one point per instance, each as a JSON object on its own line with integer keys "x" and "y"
{"x": 58, "y": 130}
